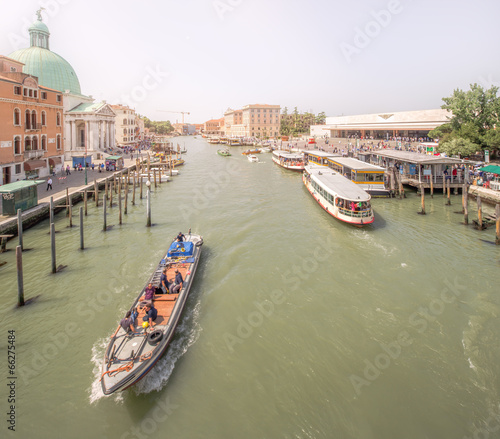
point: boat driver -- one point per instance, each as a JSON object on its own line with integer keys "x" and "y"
{"x": 180, "y": 237}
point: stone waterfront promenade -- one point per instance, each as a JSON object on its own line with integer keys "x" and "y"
{"x": 75, "y": 183}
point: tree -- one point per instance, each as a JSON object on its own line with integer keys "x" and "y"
{"x": 458, "y": 146}
{"x": 321, "y": 118}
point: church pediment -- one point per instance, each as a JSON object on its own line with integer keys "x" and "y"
{"x": 106, "y": 110}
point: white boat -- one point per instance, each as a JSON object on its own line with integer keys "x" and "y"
{"x": 252, "y": 158}
{"x": 234, "y": 142}
{"x": 339, "y": 196}
{"x": 213, "y": 140}
{"x": 265, "y": 149}
{"x": 289, "y": 160}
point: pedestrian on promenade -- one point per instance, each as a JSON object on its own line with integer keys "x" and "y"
{"x": 68, "y": 171}
{"x": 49, "y": 183}
{"x": 92, "y": 166}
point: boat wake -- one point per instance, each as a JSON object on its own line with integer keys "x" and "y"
{"x": 96, "y": 393}
{"x": 187, "y": 332}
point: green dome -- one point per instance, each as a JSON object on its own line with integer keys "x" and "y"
{"x": 53, "y": 71}
{"x": 39, "y": 26}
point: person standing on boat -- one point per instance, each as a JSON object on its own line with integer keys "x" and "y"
{"x": 151, "y": 314}
{"x": 149, "y": 293}
{"x": 164, "y": 283}
{"x": 177, "y": 283}
{"x": 180, "y": 237}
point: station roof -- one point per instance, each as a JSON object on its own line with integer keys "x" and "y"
{"x": 416, "y": 157}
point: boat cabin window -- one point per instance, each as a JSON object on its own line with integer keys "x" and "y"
{"x": 353, "y": 208}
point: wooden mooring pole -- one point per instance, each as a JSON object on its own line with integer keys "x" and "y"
{"x": 126, "y": 198}
{"x": 20, "y": 227}
{"x": 67, "y": 201}
{"x": 466, "y": 203}
{"x": 96, "y": 193}
{"x": 51, "y": 208}
{"x": 140, "y": 196}
{"x": 20, "y": 279}
{"x": 148, "y": 184}
{"x": 133, "y": 190}
{"x": 104, "y": 227}
{"x": 81, "y": 229}
{"x": 53, "y": 246}
{"x": 422, "y": 199}
{"x": 120, "y": 207}
{"x": 497, "y": 213}
{"x": 85, "y": 196}
{"x": 448, "y": 203}
{"x": 111, "y": 194}
{"x": 70, "y": 212}
{"x": 479, "y": 213}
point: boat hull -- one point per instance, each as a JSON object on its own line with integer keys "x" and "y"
{"x": 130, "y": 357}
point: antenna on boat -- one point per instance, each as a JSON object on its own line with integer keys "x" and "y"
{"x": 189, "y": 231}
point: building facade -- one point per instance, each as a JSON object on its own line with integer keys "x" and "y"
{"x": 31, "y": 134}
{"x": 214, "y": 127}
{"x": 126, "y": 128}
{"x": 255, "y": 120}
{"x": 413, "y": 124}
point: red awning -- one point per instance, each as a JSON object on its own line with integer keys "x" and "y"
{"x": 55, "y": 161}
{"x": 31, "y": 165}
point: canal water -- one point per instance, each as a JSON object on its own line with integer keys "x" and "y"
{"x": 297, "y": 326}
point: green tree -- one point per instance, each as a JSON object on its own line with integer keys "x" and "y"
{"x": 459, "y": 146}
{"x": 320, "y": 118}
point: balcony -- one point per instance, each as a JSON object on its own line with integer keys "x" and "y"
{"x": 33, "y": 154}
{"x": 33, "y": 127}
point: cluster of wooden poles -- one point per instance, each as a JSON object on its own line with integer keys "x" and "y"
{"x": 480, "y": 224}
{"x": 118, "y": 185}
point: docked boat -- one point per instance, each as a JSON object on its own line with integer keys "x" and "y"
{"x": 223, "y": 152}
{"x": 265, "y": 149}
{"x": 223, "y": 140}
{"x": 252, "y": 158}
{"x": 213, "y": 140}
{"x": 251, "y": 151}
{"x": 289, "y": 160}
{"x": 339, "y": 196}
{"x": 234, "y": 142}
{"x": 131, "y": 355}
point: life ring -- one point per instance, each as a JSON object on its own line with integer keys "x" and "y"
{"x": 155, "y": 337}
{"x": 183, "y": 249}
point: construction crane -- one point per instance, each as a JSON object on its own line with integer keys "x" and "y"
{"x": 176, "y": 112}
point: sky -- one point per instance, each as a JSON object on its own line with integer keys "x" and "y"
{"x": 162, "y": 57}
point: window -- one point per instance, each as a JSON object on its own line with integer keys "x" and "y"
{"x": 34, "y": 143}
{"x": 44, "y": 142}
{"x": 27, "y": 143}
{"x": 17, "y": 90}
{"x": 18, "y": 169}
{"x": 33, "y": 119}
{"x": 30, "y": 93}
{"x": 43, "y": 95}
{"x": 27, "y": 119}
{"x": 17, "y": 116}
{"x": 58, "y": 140}
{"x": 35, "y": 93}
{"x": 25, "y": 92}
{"x": 58, "y": 119}
{"x": 59, "y": 98}
{"x": 17, "y": 146}
{"x": 44, "y": 118}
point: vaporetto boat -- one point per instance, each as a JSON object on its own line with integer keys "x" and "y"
{"x": 289, "y": 160}
{"x": 339, "y": 196}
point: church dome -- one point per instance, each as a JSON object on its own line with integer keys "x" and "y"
{"x": 52, "y": 70}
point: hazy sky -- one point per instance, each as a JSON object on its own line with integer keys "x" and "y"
{"x": 203, "y": 56}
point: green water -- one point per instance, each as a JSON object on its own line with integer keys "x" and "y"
{"x": 298, "y": 326}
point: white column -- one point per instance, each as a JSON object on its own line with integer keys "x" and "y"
{"x": 73, "y": 135}
{"x": 103, "y": 133}
{"x": 112, "y": 125}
